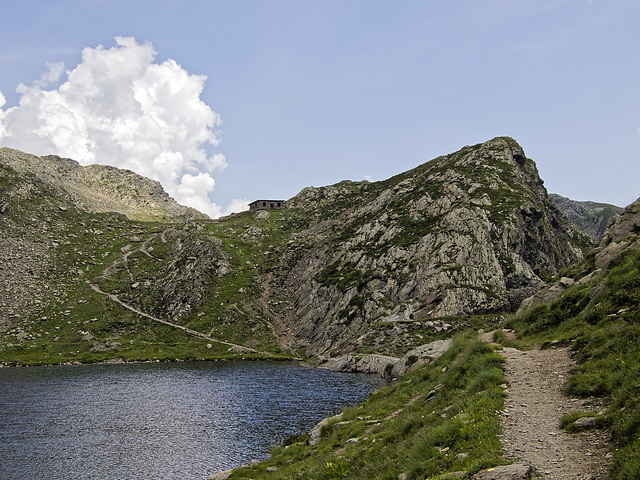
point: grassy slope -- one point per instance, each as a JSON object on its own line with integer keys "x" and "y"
{"x": 441, "y": 418}
{"x": 430, "y": 436}
{"x": 600, "y": 320}
{"x": 73, "y": 323}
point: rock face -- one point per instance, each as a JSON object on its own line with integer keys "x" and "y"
{"x": 462, "y": 234}
{"x": 619, "y": 236}
{"x": 99, "y": 188}
{"x": 590, "y": 217}
{"x": 386, "y": 366}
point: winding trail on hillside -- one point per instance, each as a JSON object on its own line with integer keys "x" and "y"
{"x": 531, "y": 419}
{"x": 236, "y": 347}
{"x": 143, "y": 249}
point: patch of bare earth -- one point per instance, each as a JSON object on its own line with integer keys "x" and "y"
{"x": 531, "y": 420}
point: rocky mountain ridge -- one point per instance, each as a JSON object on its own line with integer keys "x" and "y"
{"x": 590, "y": 217}
{"x": 101, "y": 188}
{"x": 468, "y": 233}
{"x": 355, "y": 267}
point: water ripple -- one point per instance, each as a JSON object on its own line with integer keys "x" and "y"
{"x": 150, "y": 421}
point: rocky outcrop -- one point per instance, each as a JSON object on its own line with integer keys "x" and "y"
{"x": 622, "y": 234}
{"x": 373, "y": 363}
{"x": 316, "y": 432}
{"x": 546, "y": 294}
{"x": 386, "y": 366}
{"x": 179, "y": 284}
{"x": 461, "y": 234}
{"x": 100, "y": 188}
{"x": 591, "y": 217}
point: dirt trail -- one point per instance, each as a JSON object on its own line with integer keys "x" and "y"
{"x": 531, "y": 420}
{"x": 143, "y": 248}
{"x": 236, "y": 347}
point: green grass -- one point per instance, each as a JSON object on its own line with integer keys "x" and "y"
{"x": 600, "y": 320}
{"x": 441, "y": 418}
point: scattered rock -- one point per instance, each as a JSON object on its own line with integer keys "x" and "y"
{"x": 262, "y": 215}
{"x": 517, "y": 471}
{"x": 221, "y": 475}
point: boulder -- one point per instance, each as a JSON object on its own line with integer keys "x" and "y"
{"x": 221, "y": 475}
{"x": 316, "y": 432}
{"x": 584, "y": 423}
{"x": 517, "y": 471}
{"x": 373, "y": 363}
{"x": 543, "y": 296}
{"x": 420, "y": 356}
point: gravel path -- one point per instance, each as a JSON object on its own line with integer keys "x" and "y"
{"x": 530, "y": 422}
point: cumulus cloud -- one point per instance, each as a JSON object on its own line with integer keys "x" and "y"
{"x": 119, "y": 107}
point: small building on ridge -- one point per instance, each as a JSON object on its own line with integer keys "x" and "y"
{"x": 267, "y": 205}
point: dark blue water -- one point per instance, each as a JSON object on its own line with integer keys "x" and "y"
{"x": 159, "y": 421}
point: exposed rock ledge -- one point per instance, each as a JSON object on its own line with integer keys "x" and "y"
{"x": 386, "y": 366}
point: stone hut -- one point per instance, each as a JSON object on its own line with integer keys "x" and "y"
{"x": 267, "y": 205}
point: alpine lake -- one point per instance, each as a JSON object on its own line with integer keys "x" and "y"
{"x": 183, "y": 420}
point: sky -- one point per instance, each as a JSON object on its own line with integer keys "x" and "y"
{"x": 229, "y": 101}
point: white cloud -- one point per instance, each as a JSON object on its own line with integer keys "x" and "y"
{"x": 237, "y": 205}
{"x": 120, "y": 108}
{"x": 51, "y": 76}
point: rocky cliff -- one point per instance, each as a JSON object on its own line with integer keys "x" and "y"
{"x": 467, "y": 233}
{"x": 591, "y": 217}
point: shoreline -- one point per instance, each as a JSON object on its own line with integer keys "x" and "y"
{"x": 120, "y": 361}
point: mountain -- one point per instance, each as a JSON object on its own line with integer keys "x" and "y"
{"x": 590, "y": 217}
{"x": 100, "y": 188}
{"x": 468, "y": 233}
{"x": 353, "y": 267}
{"x": 99, "y": 264}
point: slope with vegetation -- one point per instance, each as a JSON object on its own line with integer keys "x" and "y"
{"x": 599, "y": 319}
{"x": 591, "y": 217}
{"x": 442, "y": 421}
{"x": 347, "y": 271}
{"x": 350, "y": 268}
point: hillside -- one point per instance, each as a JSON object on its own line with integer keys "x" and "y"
{"x": 598, "y": 317}
{"x": 591, "y": 217}
{"x": 469, "y": 233}
{"x": 462, "y": 416}
{"x": 100, "y": 188}
{"x": 349, "y": 268}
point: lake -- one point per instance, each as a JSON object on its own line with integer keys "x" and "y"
{"x": 160, "y": 420}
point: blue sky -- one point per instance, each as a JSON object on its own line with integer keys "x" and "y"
{"x": 301, "y": 93}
